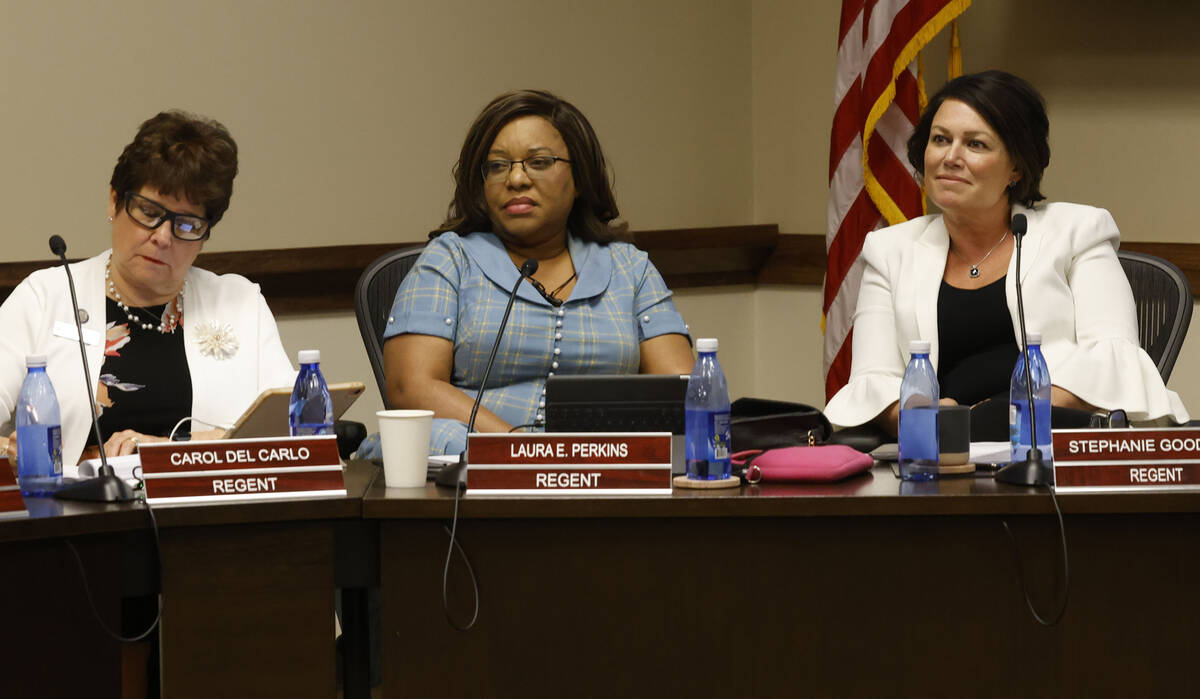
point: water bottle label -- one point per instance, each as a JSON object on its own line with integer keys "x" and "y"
{"x": 719, "y": 442}
{"x": 708, "y": 436}
{"x": 918, "y": 435}
{"x": 54, "y": 442}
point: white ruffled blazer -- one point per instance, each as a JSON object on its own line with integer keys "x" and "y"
{"x": 1076, "y": 295}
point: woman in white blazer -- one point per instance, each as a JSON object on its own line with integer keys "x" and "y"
{"x": 164, "y": 340}
{"x": 981, "y": 147}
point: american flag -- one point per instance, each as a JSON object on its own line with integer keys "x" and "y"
{"x": 878, "y": 98}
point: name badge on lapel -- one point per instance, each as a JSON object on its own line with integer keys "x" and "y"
{"x": 67, "y": 331}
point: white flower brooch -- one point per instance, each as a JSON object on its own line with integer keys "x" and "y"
{"x": 216, "y": 340}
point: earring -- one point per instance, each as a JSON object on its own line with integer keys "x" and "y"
{"x": 110, "y": 219}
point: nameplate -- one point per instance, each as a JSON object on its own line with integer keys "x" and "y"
{"x": 11, "y": 502}
{"x": 242, "y": 469}
{"x": 599, "y": 463}
{"x": 1134, "y": 459}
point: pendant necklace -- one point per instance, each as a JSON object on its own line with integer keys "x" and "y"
{"x": 551, "y": 296}
{"x": 974, "y": 273}
{"x": 563, "y": 285}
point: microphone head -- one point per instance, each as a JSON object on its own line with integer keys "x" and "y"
{"x": 1019, "y": 225}
{"x": 529, "y": 267}
{"x": 58, "y": 246}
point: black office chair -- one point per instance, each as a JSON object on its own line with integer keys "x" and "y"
{"x": 1163, "y": 298}
{"x": 373, "y": 297}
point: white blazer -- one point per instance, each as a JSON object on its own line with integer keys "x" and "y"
{"x": 222, "y": 388}
{"x": 1076, "y": 295}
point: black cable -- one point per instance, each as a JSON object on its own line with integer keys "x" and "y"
{"x": 88, "y": 589}
{"x": 452, "y": 531}
{"x": 521, "y": 427}
{"x": 1066, "y": 565}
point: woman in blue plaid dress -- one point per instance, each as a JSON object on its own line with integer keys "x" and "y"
{"x": 531, "y": 182}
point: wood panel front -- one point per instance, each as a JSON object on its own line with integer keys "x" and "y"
{"x": 52, "y": 646}
{"x": 248, "y": 611}
{"x": 792, "y": 606}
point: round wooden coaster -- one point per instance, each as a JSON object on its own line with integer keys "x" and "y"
{"x": 953, "y": 470}
{"x": 685, "y": 482}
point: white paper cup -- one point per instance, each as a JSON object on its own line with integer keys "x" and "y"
{"x": 404, "y": 436}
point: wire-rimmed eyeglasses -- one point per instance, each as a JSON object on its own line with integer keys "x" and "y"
{"x": 535, "y": 167}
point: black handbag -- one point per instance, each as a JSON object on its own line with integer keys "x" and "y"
{"x": 761, "y": 423}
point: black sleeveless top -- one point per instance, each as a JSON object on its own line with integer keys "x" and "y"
{"x": 977, "y": 347}
{"x": 145, "y": 384}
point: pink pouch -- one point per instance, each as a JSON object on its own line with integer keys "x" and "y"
{"x": 819, "y": 464}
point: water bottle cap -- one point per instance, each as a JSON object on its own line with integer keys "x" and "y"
{"x": 918, "y": 347}
{"x": 33, "y": 360}
{"x": 1033, "y": 338}
{"x": 706, "y": 344}
{"x": 310, "y": 356}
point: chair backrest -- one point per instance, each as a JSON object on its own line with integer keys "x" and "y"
{"x": 1163, "y": 298}
{"x": 373, "y": 297}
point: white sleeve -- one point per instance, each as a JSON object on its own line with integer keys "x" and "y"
{"x": 16, "y": 341}
{"x": 878, "y": 367}
{"x": 274, "y": 367}
{"x": 1107, "y": 366}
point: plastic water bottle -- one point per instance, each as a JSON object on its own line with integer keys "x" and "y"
{"x": 919, "y": 416}
{"x": 311, "y": 409}
{"x": 707, "y": 416}
{"x": 1018, "y": 409}
{"x": 39, "y": 432}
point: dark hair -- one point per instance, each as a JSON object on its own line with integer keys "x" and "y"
{"x": 594, "y": 206}
{"x": 181, "y": 155}
{"x": 1014, "y": 110}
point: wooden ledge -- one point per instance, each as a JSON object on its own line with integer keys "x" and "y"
{"x": 322, "y": 279}
{"x": 800, "y": 259}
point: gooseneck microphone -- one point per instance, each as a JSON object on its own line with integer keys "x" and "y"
{"x": 1031, "y": 470}
{"x": 455, "y": 475}
{"x": 105, "y": 487}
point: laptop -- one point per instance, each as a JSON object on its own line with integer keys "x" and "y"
{"x": 620, "y": 403}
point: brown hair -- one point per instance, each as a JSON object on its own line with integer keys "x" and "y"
{"x": 1014, "y": 110}
{"x": 595, "y": 206}
{"x": 181, "y": 155}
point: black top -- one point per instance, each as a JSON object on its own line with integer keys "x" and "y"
{"x": 977, "y": 345}
{"x": 144, "y": 384}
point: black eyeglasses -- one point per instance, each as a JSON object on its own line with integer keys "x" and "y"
{"x": 150, "y": 214}
{"x": 536, "y": 167}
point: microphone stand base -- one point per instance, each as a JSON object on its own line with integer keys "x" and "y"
{"x": 1027, "y": 472}
{"x": 453, "y": 475}
{"x": 108, "y": 488}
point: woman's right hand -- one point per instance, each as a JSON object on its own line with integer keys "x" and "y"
{"x": 889, "y": 419}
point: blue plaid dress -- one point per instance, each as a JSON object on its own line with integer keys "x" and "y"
{"x": 458, "y": 289}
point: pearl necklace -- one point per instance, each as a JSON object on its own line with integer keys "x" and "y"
{"x": 171, "y": 314}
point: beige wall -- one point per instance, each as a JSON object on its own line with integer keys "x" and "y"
{"x": 349, "y": 116}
